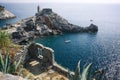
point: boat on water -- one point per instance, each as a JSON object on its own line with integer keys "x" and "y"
{"x": 67, "y": 41}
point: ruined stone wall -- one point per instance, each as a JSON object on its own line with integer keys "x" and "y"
{"x": 48, "y": 58}
{"x": 47, "y": 53}
{"x": 47, "y": 61}
{"x": 60, "y": 69}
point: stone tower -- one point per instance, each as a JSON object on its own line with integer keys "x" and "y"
{"x": 38, "y": 9}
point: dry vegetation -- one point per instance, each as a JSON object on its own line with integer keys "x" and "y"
{"x": 48, "y": 75}
{"x": 7, "y": 46}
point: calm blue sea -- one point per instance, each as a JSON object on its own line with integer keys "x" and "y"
{"x": 101, "y": 49}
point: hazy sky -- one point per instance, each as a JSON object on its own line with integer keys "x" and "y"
{"x": 64, "y": 1}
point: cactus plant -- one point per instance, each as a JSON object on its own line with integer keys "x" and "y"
{"x": 84, "y": 75}
{"x": 77, "y": 75}
{"x": 7, "y": 66}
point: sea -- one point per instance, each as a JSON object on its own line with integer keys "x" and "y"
{"x": 102, "y": 49}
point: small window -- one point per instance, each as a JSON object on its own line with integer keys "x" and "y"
{"x": 40, "y": 53}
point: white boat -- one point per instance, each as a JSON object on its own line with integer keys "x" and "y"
{"x": 67, "y": 41}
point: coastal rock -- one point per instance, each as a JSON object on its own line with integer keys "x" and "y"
{"x": 17, "y": 35}
{"x": 48, "y": 21}
{"x": 30, "y": 25}
{"x": 22, "y": 38}
{"x": 92, "y": 28}
{"x": 5, "y": 14}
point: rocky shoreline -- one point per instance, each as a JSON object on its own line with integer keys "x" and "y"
{"x": 44, "y": 23}
{"x": 5, "y": 14}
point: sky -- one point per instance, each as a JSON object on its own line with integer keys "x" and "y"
{"x": 64, "y": 1}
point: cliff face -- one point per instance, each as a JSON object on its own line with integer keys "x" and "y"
{"x": 5, "y": 14}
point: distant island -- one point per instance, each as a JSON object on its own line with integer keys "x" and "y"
{"x": 5, "y": 14}
{"x": 44, "y": 23}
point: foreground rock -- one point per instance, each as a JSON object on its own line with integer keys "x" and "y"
{"x": 5, "y": 14}
{"x": 10, "y": 77}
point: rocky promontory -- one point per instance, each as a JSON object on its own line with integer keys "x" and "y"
{"x": 5, "y": 14}
{"x": 55, "y": 22}
{"x": 44, "y": 23}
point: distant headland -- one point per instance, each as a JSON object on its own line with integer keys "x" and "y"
{"x": 5, "y": 14}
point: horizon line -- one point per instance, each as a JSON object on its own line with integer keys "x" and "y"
{"x": 68, "y": 2}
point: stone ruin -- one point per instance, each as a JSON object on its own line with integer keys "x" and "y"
{"x": 40, "y": 59}
{"x": 36, "y": 50}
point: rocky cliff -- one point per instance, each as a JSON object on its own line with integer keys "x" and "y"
{"x": 54, "y": 21}
{"x": 5, "y": 14}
